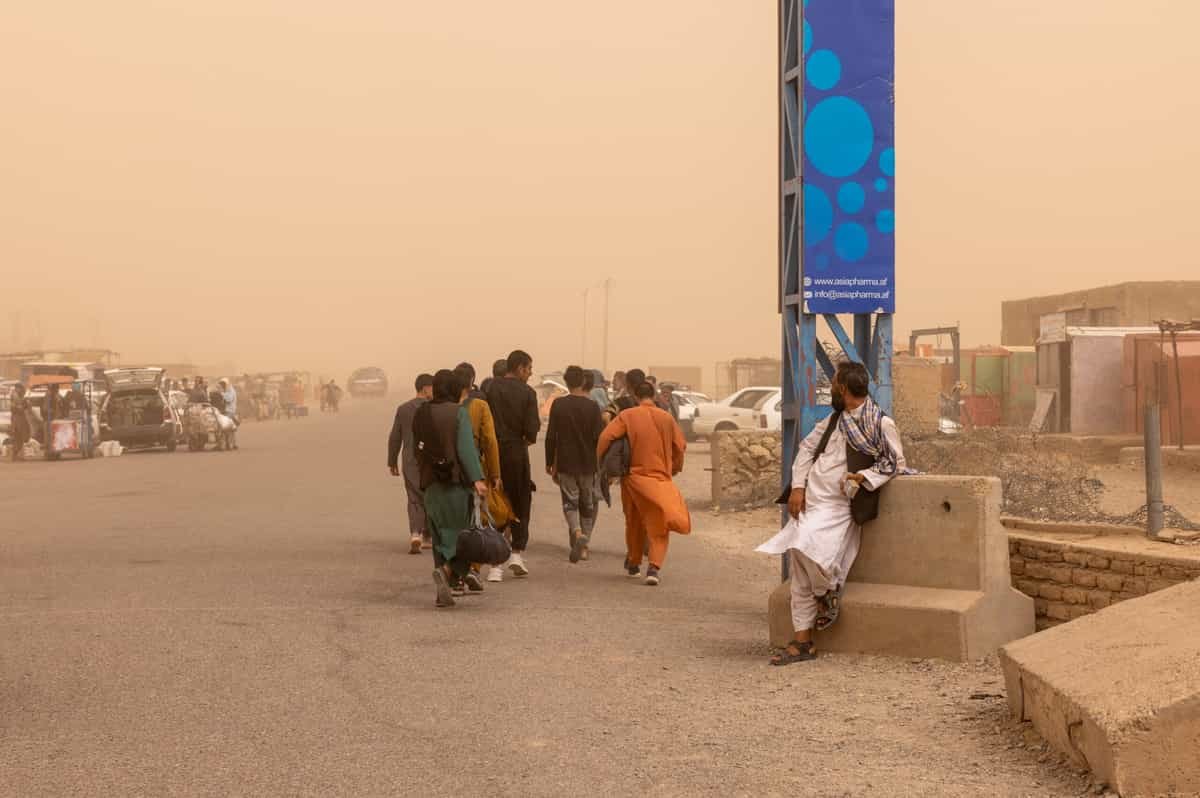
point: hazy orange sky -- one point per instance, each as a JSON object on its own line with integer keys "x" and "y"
{"x": 319, "y": 185}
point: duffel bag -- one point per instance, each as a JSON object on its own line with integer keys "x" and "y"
{"x": 482, "y": 542}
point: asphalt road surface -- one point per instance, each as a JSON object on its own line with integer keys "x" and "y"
{"x": 250, "y": 623}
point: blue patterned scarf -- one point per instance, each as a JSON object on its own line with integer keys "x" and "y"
{"x": 865, "y": 434}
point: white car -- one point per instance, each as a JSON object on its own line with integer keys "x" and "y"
{"x": 736, "y": 411}
{"x": 690, "y": 403}
{"x": 770, "y": 412}
{"x": 5, "y": 410}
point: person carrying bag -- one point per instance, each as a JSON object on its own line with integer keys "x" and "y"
{"x": 482, "y": 542}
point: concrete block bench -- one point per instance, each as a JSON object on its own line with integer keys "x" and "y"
{"x": 1119, "y": 691}
{"x": 931, "y": 580}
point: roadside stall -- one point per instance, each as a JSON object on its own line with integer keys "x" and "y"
{"x": 67, "y": 419}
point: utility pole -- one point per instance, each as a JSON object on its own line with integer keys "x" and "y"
{"x": 1178, "y": 385}
{"x": 607, "y": 308}
{"x": 583, "y": 355}
{"x": 1153, "y": 458}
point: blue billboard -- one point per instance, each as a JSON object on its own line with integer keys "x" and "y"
{"x": 849, "y": 165}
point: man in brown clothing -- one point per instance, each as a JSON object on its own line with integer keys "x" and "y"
{"x": 653, "y": 506}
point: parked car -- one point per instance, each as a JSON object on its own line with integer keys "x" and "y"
{"x": 736, "y": 411}
{"x": 689, "y": 403}
{"x": 367, "y": 382}
{"x": 770, "y": 412}
{"x": 5, "y": 409}
{"x": 136, "y": 412}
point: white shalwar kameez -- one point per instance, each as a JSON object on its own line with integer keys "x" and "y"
{"x": 823, "y": 542}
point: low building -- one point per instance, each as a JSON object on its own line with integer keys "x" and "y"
{"x": 1160, "y": 371}
{"x": 1125, "y": 305}
{"x": 745, "y": 372}
{"x": 1080, "y": 372}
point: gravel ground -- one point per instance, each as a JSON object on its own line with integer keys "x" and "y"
{"x": 248, "y": 623}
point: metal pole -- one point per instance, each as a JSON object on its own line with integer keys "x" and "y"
{"x": 1178, "y": 388}
{"x": 607, "y": 307}
{"x": 1153, "y": 456}
{"x": 583, "y": 356}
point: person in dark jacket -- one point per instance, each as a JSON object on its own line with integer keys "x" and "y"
{"x": 21, "y": 429}
{"x": 571, "y": 438}
{"x": 400, "y": 442}
{"x": 514, "y": 407}
{"x": 499, "y": 369}
{"x": 199, "y": 392}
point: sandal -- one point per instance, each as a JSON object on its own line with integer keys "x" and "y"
{"x": 804, "y": 653}
{"x": 830, "y": 606}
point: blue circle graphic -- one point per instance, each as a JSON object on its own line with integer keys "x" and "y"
{"x": 885, "y": 221}
{"x": 824, "y": 69}
{"x": 818, "y": 215}
{"x": 887, "y": 162}
{"x": 851, "y": 197}
{"x": 807, "y": 37}
{"x": 880, "y": 184}
{"x": 838, "y": 136}
{"x": 850, "y": 242}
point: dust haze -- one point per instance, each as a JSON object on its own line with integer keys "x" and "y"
{"x": 321, "y": 186}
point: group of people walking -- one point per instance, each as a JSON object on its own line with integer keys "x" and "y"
{"x": 463, "y": 451}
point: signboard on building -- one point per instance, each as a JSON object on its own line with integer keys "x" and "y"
{"x": 1053, "y": 329}
{"x": 849, "y": 171}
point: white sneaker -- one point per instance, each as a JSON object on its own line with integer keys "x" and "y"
{"x": 516, "y": 563}
{"x": 496, "y": 573}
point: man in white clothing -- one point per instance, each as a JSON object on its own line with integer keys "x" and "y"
{"x": 860, "y": 454}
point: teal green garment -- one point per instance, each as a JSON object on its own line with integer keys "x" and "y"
{"x": 449, "y": 507}
{"x": 468, "y": 452}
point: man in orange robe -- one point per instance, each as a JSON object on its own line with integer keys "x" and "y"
{"x": 653, "y": 506}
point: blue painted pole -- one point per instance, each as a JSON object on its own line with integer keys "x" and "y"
{"x": 862, "y": 339}
{"x": 883, "y": 369}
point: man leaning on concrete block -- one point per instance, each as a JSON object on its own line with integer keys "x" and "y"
{"x": 834, "y": 490}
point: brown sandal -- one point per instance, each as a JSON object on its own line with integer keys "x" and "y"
{"x": 804, "y": 653}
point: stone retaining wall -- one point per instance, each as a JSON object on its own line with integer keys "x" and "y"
{"x": 745, "y": 468}
{"x": 916, "y": 383}
{"x": 1067, "y": 580}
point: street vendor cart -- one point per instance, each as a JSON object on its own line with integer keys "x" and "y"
{"x": 67, "y": 419}
{"x": 204, "y": 426}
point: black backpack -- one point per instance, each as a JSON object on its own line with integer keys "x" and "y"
{"x": 442, "y": 464}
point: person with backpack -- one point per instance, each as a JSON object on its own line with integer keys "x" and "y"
{"x": 653, "y": 505}
{"x": 483, "y": 428}
{"x": 571, "y": 437}
{"x": 451, "y": 479}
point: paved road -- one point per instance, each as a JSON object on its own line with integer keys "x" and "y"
{"x": 251, "y": 624}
